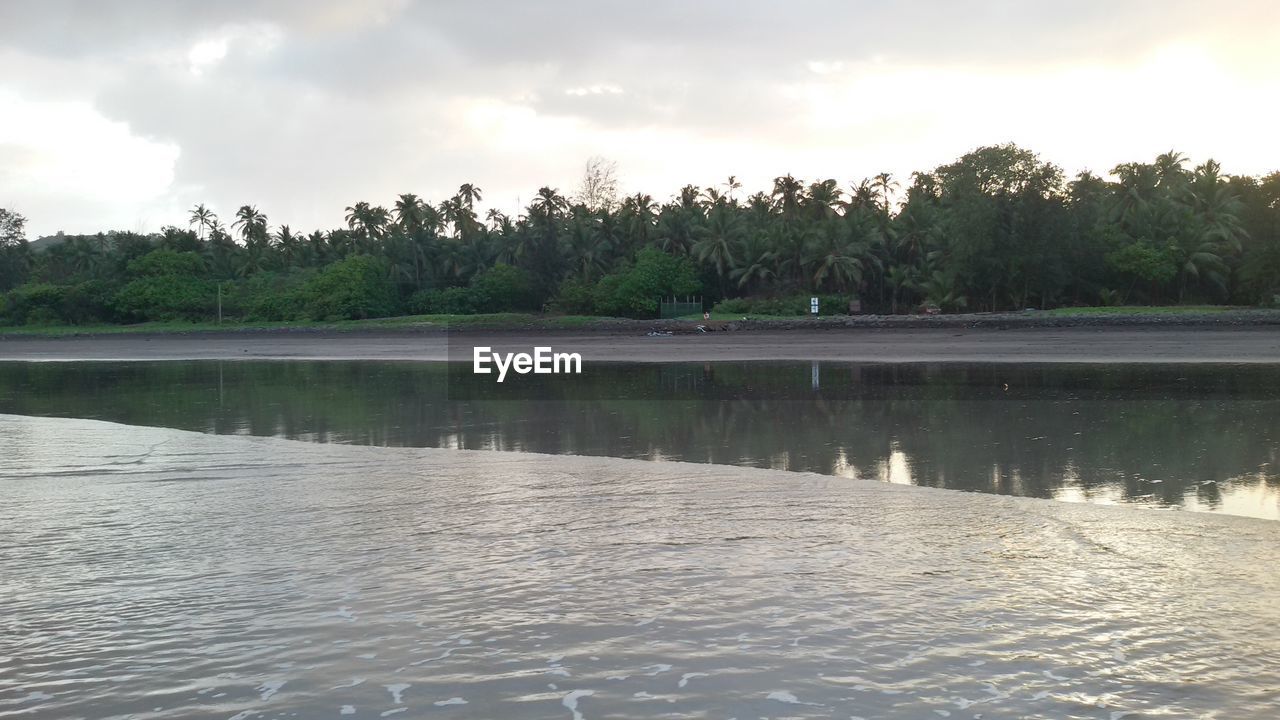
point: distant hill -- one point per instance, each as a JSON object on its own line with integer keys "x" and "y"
{"x": 44, "y": 243}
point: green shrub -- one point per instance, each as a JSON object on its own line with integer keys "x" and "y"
{"x": 635, "y": 291}
{"x": 90, "y": 302}
{"x": 575, "y": 298}
{"x": 734, "y": 306}
{"x": 503, "y": 288}
{"x": 351, "y": 289}
{"x": 166, "y": 297}
{"x": 161, "y": 263}
{"x": 36, "y": 304}
{"x": 46, "y": 304}
{"x": 268, "y": 296}
{"x": 444, "y": 301}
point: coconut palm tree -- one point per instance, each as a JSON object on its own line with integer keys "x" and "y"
{"x": 252, "y": 224}
{"x": 836, "y": 258}
{"x": 550, "y": 202}
{"x": 786, "y": 193}
{"x": 469, "y": 195}
{"x": 823, "y": 197}
{"x": 409, "y": 214}
{"x": 289, "y": 245}
{"x": 718, "y": 240}
{"x": 758, "y": 262}
{"x": 730, "y": 186}
{"x": 368, "y": 222}
{"x": 203, "y": 218}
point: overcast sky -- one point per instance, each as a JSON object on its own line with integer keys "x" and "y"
{"x": 124, "y": 114}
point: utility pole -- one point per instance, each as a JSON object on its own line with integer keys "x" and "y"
{"x": 219, "y": 303}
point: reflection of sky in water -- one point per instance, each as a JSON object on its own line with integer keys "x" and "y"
{"x": 1191, "y": 437}
{"x": 158, "y": 574}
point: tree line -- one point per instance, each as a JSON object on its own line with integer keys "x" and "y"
{"x": 997, "y": 229}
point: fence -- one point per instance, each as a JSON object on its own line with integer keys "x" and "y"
{"x": 673, "y": 308}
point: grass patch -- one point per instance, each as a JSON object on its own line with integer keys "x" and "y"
{"x": 1144, "y": 310}
{"x": 722, "y": 316}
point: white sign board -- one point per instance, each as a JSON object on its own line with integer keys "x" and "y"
{"x": 813, "y": 305}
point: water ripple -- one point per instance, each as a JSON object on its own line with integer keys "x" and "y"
{"x": 234, "y": 577}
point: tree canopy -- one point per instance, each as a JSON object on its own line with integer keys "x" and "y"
{"x": 997, "y": 229}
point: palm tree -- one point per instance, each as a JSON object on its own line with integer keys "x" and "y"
{"x": 900, "y": 277}
{"x": 731, "y": 185}
{"x": 252, "y": 224}
{"x": 786, "y": 192}
{"x": 758, "y": 262}
{"x": 1171, "y": 176}
{"x": 823, "y": 197}
{"x": 289, "y": 245}
{"x": 587, "y": 252}
{"x": 1217, "y": 207}
{"x": 836, "y": 258}
{"x": 941, "y": 289}
{"x": 885, "y": 188}
{"x": 638, "y": 213}
{"x": 550, "y": 201}
{"x": 718, "y": 240}
{"x": 203, "y": 218}
{"x": 409, "y": 213}
{"x": 865, "y": 195}
{"x": 469, "y": 195}
{"x": 368, "y": 222}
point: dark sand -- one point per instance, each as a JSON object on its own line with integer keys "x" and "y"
{"x": 1078, "y": 344}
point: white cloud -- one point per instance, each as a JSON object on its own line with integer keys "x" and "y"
{"x": 114, "y": 112}
{"x": 205, "y": 54}
{"x": 68, "y": 155}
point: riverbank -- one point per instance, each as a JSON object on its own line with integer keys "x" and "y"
{"x": 1160, "y": 316}
{"x": 1107, "y": 343}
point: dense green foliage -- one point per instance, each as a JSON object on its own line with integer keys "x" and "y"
{"x": 997, "y": 229}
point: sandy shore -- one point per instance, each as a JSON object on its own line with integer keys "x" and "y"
{"x": 1078, "y": 344}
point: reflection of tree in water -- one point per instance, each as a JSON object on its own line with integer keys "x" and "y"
{"x": 1132, "y": 431}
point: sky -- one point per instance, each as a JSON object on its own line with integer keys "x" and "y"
{"x": 124, "y": 114}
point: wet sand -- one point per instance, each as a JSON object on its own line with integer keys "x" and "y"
{"x": 1022, "y": 345}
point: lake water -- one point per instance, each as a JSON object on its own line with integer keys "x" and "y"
{"x": 1192, "y": 437}
{"x": 159, "y": 574}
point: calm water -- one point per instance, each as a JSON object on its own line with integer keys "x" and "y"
{"x": 1193, "y": 437}
{"x": 156, "y": 574}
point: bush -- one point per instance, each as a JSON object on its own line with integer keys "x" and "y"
{"x": 575, "y": 298}
{"x": 269, "y": 297}
{"x": 45, "y": 304}
{"x": 166, "y": 297}
{"x": 635, "y": 291}
{"x": 90, "y": 302}
{"x": 35, "y": 304}
{"x": 503, "y": 288}
{"x": 351, "y": 289}
{"x": 166, "y": 263}
{"x": 444, "y": 301}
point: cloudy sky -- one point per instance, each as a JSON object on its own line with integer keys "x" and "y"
{"x": 123, "y": 114}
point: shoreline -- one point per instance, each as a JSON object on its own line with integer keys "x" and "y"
{"x": 1156, "y": 317}
{"x": 1151, "y": 343}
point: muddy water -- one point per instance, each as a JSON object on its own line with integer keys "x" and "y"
{"x": 154, "y": 573}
